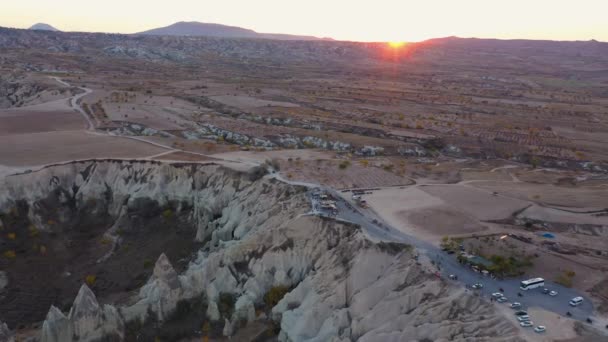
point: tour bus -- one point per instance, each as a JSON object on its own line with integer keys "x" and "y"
{"x": 532, "y": 283}
{"x": 576, "y": 301}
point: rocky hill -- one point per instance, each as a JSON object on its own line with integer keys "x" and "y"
{"x": 43, "y": 27}
{"x": 217, "y": 30}
{"x": 260, "y": 262}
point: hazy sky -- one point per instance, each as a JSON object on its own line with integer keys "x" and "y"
{"x": 373, "y": 20}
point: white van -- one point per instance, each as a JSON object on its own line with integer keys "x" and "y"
{"x": 576, "y": 301}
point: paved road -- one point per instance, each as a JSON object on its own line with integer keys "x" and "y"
{"x": 376, "y": 228}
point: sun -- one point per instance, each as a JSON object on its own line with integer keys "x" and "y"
{"x": 396, "y": 45}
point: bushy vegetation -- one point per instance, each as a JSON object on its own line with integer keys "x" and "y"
{"x": 449, "y": 244}
{"x": 10, "y": 254}
{"x": 566, "y": 278}
{"x": 274, "y": 295}
{"x": 508, "y": 266}
{"x": 226, "y": 304}
{"x": 394, "y": 248}
{"x": 257, "y": 173}
{"x": 167, "y": 213}
{"x": 344, "y": 164}
{"x": 90, "y": 279}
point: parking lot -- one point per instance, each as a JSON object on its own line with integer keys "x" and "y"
{"x": 447, "y": 265}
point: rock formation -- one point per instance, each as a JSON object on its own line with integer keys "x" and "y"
{"x": 87, "y": 321}
{"x": 5, "y": 333}
{"x": 328, "y": 280}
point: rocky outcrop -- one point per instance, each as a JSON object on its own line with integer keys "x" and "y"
{"x": 5, "y": 333}
{"x": 135, "y": 129}
{"x": 87, "y": 321}
{"x": 160, "y": 295}
{"x": 318, "y": 279}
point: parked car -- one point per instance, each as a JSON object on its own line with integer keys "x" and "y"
{"x": 453, "y": 276}
{"x": 553, "y": 293}
{"x": 523, "y": 318}
{"x": 478, "y": 286}
{"x": 526, "y": 324}
{"x": 516, "y": 305}
{"x": 575, "y": 301}
{"x": 540, "y": 329}
{"x": 496, "y": 295}
{"x": 502, "y": 299}
{"x": 546, "y": 291}
{"x": 521, "y": 313}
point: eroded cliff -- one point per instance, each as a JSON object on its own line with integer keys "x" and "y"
{"x": 248, "y": 257}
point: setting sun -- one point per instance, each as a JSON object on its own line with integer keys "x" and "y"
{"x": 396, "y": 45}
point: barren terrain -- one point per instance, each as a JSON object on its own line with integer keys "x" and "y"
{"x": 449, "y": 142}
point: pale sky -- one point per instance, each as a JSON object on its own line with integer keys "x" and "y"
{"x": 361, "y": 20}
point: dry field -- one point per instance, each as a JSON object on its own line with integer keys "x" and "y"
{"x": 14, "y": 122}
{"x": 52, "y": 147}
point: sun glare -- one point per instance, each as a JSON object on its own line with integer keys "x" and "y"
{"x": 396, "y": 45}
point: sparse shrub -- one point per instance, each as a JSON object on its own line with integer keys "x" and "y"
{"x": 90, "y": 279}
{"x": 364, "y": 162}
{"x": 167, "y": 213}
{"x": 148, "y": 263}
{"x": 388, "y": 167}
{"x": 564, "y": 280}
{"x": 10, "y": 254}
{"x": 226, "y": 304}
{"x": 274, "y": 163}
{"x": 11, "y": 236}
{"x": 33, "y": 231}
{"x": 257, "y": 172}
{"x": 274, "y": 295}
{"x": 344, "y": 164}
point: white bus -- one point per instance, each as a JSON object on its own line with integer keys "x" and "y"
{"x": 532, "y": 283}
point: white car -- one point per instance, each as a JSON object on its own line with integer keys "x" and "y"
{"x": 515, "y": 305}
{"x": 553, "y": 293}
{"x": 502, "y": 299}
{"x": 478, "y": 286}
{"x": 523, "y": 318}
{"x": 526, "y": 324}
{"x": 575, "y": 301}
{"x": 540, "y": 329}
{"x": 496, "y": 295}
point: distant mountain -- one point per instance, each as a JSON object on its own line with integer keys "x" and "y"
{"x": 43, "y": 27}
{"x": 194, "y": 28}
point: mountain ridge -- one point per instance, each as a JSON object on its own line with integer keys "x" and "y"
{"x": 195, "y": 28}
{"x": 43, "y": 27}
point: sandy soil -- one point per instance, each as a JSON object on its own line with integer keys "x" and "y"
{"x": 552, "y": 215}
{"x": 183, "y": 156}
{"x": 550, "y": 194}
{"x": 50, "y": 147}
{"x": 245, "y": 102}
{"x": 30, "y": 121}
{"x": 478, "y": 203}
{"x": 261, "y": 156}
